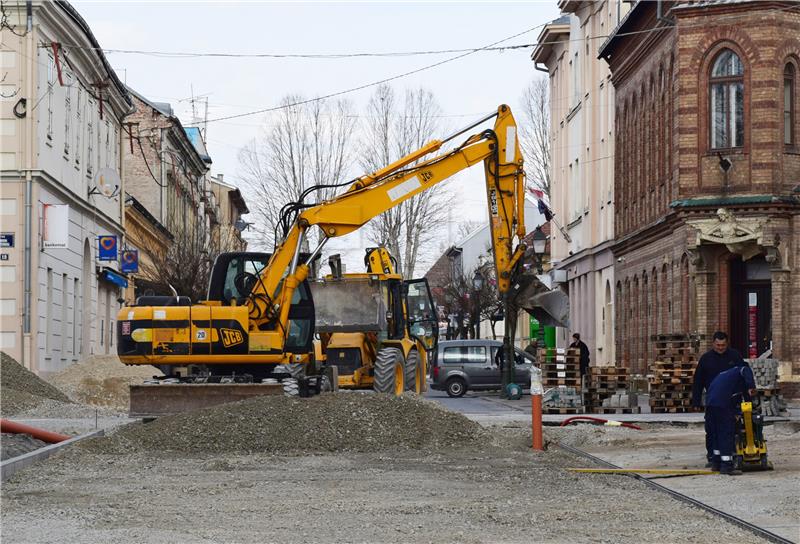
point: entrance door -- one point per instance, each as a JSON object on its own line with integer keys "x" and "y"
{"x": 751, "y": 306}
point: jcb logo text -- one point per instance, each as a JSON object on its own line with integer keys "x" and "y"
{"x": 231, "y": 337}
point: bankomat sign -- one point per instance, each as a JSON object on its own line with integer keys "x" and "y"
{"x": 55, "y": 226}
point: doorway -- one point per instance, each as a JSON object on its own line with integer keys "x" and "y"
{"x": 751, "y": 306}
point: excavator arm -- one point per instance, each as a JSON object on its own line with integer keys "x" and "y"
{"x": 371, "y": 195}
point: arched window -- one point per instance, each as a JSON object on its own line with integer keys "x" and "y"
{"x": 727, "y": 101}
{"x": 788, "y": 104}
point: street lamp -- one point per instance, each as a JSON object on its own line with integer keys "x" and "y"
{"x": 539, "y": 246}
{"x": 539, "y": 241}
{"x": 477, "y": 280}
{"x": 477, "y": 285}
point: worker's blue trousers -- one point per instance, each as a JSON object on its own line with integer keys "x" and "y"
{"x": 721, "y": 422}
{"x": 709, "y": 437}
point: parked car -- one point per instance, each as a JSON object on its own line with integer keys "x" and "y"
{"x": 461, "y": 365}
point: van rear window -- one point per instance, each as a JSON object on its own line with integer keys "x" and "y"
{"x": 465, "y": 354}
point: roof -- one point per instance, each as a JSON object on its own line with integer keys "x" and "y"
{"x": 238, "y": 200}
{"x": 166, "y": 110}
{"x": 734, "y": 201}
{"x": 548, "y": 36}
{"x": 131, "y": 201}
{"x": 196, "y": 137}
{"x": 75, "y": 16}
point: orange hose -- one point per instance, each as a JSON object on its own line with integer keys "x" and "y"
{"x": 8, "y": 426}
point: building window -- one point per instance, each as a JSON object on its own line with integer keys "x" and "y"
{"x": 51, "y": 79}
{"x": 727, "y": 101}
{"x": 788, "y": 104}
{"x": 78, "y": 126}
{"x": 89, "y": 138}
{"x": 67, "y": 117}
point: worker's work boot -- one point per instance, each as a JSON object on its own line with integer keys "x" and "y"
{"x": 729, "y": 470}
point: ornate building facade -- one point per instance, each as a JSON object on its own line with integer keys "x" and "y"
{"x": 707, "y": 174}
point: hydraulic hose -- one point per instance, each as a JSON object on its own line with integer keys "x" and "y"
{"x": 599, "y": 420}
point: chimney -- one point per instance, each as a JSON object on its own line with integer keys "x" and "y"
{"x": 220, "y": 178}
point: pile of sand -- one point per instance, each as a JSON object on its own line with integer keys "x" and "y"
{"x": 102, "y": 380}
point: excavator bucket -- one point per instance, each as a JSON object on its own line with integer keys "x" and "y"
{"x": 548, "y": 306}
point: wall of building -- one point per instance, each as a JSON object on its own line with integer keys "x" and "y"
{"x": 59, "y": 141}
{"x": 668, "y": 280}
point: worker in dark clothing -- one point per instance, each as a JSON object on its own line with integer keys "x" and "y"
{"x": 578, "y": 344}
{"x": 724, "y": 395}
{"x": 714, "y": 361}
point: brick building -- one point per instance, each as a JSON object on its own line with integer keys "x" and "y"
{"x": 707, "y": 176}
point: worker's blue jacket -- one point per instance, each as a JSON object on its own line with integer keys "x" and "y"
{"x": 708, "y": 367}
{"x": 730, "y": 387}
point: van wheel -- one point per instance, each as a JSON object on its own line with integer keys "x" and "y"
{"x": 456, "y": 387}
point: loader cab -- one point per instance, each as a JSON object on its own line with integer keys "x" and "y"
{"x": 232, "y": 279}
{"x": 422, "y": 321}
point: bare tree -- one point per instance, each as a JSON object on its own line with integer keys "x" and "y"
{"x": 307, "y": 146}
{"x": 465, "y": 228}
{"x": 393, "y": 129}
{"x": 535, "y": 134}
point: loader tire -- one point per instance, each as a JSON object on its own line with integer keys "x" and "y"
{"x": 412, "y": 376}
{"x": 295, "y": 370}
{"x": 389, "y": 371}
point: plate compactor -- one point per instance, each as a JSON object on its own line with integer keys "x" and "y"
{"x": 751, "y": 446}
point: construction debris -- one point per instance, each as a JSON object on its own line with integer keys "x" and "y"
{"x": 341, "y": 422}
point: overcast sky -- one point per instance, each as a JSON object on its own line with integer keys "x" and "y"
{"x": 466, "y": 88}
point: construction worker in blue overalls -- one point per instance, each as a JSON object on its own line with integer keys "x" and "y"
{"x": 718, "y": 359}
{"x": 723, "y": 398}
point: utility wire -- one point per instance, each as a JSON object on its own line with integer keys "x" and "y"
{"x": 374, "y": 83}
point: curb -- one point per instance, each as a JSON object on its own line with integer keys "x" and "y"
{"x": 9, "y": 467}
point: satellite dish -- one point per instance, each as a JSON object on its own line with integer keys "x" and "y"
{"x": 107, "y": 182}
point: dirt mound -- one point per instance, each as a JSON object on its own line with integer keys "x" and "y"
{"x": 14, "y": 445}
{"x": 102, "y": 380}
{"x": 21, "y": 389}
{"x": 341, "y": 422}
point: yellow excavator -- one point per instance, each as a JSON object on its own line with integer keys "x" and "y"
{"x": 260, "y": 313}
{"x": 389, "y": 357}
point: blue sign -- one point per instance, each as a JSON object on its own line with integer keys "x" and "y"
{"x": 7, "y": 239}
{"x": 107, "y": 247}
{"x": 129, "y": 263}
{"x": 113, "y": 277}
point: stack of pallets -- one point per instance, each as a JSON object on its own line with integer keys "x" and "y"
{"x": 604, "y": 384}
{"x": 563, "y": 371}
{"x": 672, "y": 374}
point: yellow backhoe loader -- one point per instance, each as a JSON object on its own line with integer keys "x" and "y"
{"x": 389, "y": 357}
{"x": 260, "y": 313}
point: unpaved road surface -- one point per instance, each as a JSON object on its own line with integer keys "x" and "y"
{"x": 769, "y": 499}
{"x": 498, "y": 491}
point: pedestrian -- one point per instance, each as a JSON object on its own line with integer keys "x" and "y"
{"x": 718, "y": 359}
{"x": 578, "y": 344}
{"x": 725, "y": 394}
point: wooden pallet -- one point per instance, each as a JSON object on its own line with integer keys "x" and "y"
{"x": 657, "y": 410}
{"x": 553, "y": 410}
{"x": 608, "y": 370}
{"x": 616, "y": 410}
{"x": 563, "y": 381}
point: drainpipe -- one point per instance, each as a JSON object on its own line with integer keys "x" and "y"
{"x": 27, "y": 356}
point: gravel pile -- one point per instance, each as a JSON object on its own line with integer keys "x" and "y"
{"x": 14, "y": 445}
{"x": 22, "y": 390}
{"x": 342, "y": 422}
{"x": 102, "y": 380}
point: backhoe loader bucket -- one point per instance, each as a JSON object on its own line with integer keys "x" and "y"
{"x": 548, "y": 306}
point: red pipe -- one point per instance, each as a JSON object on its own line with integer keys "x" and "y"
{"x": 8, "y": 426}
{"x": 598, "y": 420}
